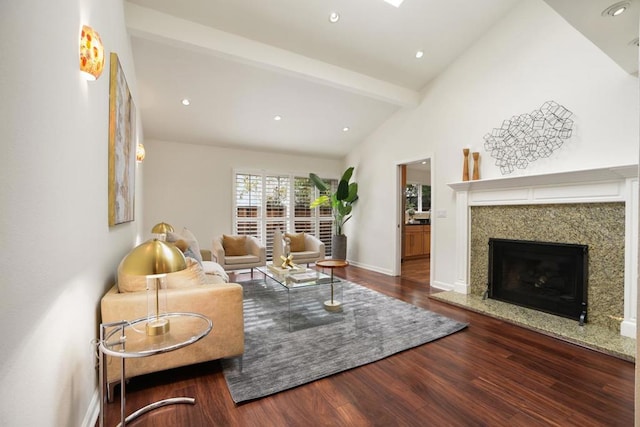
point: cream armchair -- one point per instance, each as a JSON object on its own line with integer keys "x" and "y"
{"x": 239, "y": 252}
{"x": 313, "y": 248}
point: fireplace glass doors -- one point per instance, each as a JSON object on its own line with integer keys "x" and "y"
{"x": 550, "y": 277}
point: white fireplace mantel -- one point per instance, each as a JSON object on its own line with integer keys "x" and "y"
{"x": 610, "y": 184}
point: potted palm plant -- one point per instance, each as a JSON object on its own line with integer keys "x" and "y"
{"x": 341, "y": 202}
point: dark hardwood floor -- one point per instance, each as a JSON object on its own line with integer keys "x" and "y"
{"x": 416, "y": 270}
{"x": 490, "y": 374}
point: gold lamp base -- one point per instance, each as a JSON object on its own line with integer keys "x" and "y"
{"x": 332, "y": 305}
{"x": 158, "y": 327}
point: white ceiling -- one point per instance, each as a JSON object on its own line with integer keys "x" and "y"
{"x": 242, "y": 62}
{"x": 614, "y": 35}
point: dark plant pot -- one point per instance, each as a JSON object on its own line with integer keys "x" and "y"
{"x": 339, "y": 247}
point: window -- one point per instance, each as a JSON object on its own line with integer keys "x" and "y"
{"x": 425, "y": 202}
{"x": 418, "y": 197}
{"x": 277, "y": 208}
{"x": 411, "y": 196}
{"x": 248, "y": 205}
{"x": 266, "y": 202}
{"x": 317, "y": 221}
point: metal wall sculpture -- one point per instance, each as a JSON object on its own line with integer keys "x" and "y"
{"x": 526, "y": 138}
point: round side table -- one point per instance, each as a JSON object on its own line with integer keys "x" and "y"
{"x": 128, "y": 339}
{"x": 332, "y": 264}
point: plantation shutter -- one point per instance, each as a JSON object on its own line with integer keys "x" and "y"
{"x": 277, "y": 208}
{"x": 265, "y": 202}
{"x": 248, "y": 205}
{"x": 325, "y": 218}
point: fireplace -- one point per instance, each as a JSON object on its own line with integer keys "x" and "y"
{"x": 550, "y": 277}
{"x": 597, "y": 207}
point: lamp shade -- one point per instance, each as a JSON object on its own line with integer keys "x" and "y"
{"x": 153, "y": 257}
{"x": 162, "y": 228}
{"x": 91, "y": 53}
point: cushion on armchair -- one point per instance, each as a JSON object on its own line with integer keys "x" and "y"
{"x": 234, "y": 245}
{"x": 296, "y": 241}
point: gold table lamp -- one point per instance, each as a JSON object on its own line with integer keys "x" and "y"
{"x": 154, "y": 259}
{"x": 162, "y": 228}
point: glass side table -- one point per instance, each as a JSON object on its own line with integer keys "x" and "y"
{"x": 128, "y": 339}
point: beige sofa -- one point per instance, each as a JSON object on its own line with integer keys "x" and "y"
{"x": 219, "y": 301}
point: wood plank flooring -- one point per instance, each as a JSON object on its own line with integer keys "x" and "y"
{"x": 490, "y": 374}
{"x": 416, "y": 270}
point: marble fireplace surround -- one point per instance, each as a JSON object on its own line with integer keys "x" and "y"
{"x": 611, "y": 191}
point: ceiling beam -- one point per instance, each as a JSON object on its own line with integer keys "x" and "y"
{"x": 153, "y": 25}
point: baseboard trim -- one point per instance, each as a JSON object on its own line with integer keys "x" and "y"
{"x": 628, "y": 329}
{"x": 372, "y": 268}
{"x": 443, "y": 286}
{"x": 461, "y": 287}
{"x": 93, "y": 411}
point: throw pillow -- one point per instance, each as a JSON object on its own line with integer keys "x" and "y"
{"x": 187, "y": 236}
{"x": 193, "y": 243}
{"x": 212, "y": 268}
{"x": 193, "y": 275}
{"x": 297, "y": 241}
{"x": 234, "y": 245}
{"x": 130, "y": 282}
{"x": 185, "y": 248}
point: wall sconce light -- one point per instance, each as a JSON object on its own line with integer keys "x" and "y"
{"x": 140, "y": 153}
{"x": 91, "y": 53}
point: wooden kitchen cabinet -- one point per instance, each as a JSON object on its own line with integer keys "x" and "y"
{"x": 413, "y": 241}
{"x": 426, "y": 243}
{"x": 417, "y": 241}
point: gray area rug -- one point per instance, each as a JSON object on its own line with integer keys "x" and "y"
{"x": 287, "y": 348}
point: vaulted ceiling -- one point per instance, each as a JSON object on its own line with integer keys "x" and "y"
{"x": 241, "y": 63}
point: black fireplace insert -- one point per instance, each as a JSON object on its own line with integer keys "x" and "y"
{"x": 550, "y": 277}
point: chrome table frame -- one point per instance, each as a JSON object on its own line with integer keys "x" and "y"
{"x": 107, "y": 348}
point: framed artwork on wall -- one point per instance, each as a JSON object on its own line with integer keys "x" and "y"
{"x": 122, "y": 147}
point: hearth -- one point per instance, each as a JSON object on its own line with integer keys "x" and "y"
{"x": 546, "y": 276}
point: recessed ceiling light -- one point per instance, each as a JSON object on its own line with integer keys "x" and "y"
{"x": 345, "y": 129}
{"x": 334, "y": 17}
{"x": 424, "y": 162}
{"x": 185, "y": 102}
{"x": 277, "y": 118}
{"x": 419, "y": 54}
{"x": 395, "y": 3}
{"x": 616, "y": 9}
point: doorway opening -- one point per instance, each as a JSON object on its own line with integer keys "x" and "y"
{"x": 415, "y": 221}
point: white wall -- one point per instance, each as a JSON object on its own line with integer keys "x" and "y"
{"x": 191, "y": 186}
{"x": 530, "y": 57}
{"x": 58, "y": 253}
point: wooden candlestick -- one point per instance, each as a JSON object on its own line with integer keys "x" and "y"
{"x": 465, "y": 165}
{"x": 476, "y": 169}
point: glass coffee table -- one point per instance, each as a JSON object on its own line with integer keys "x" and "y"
{"x": 300, "y": 279}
